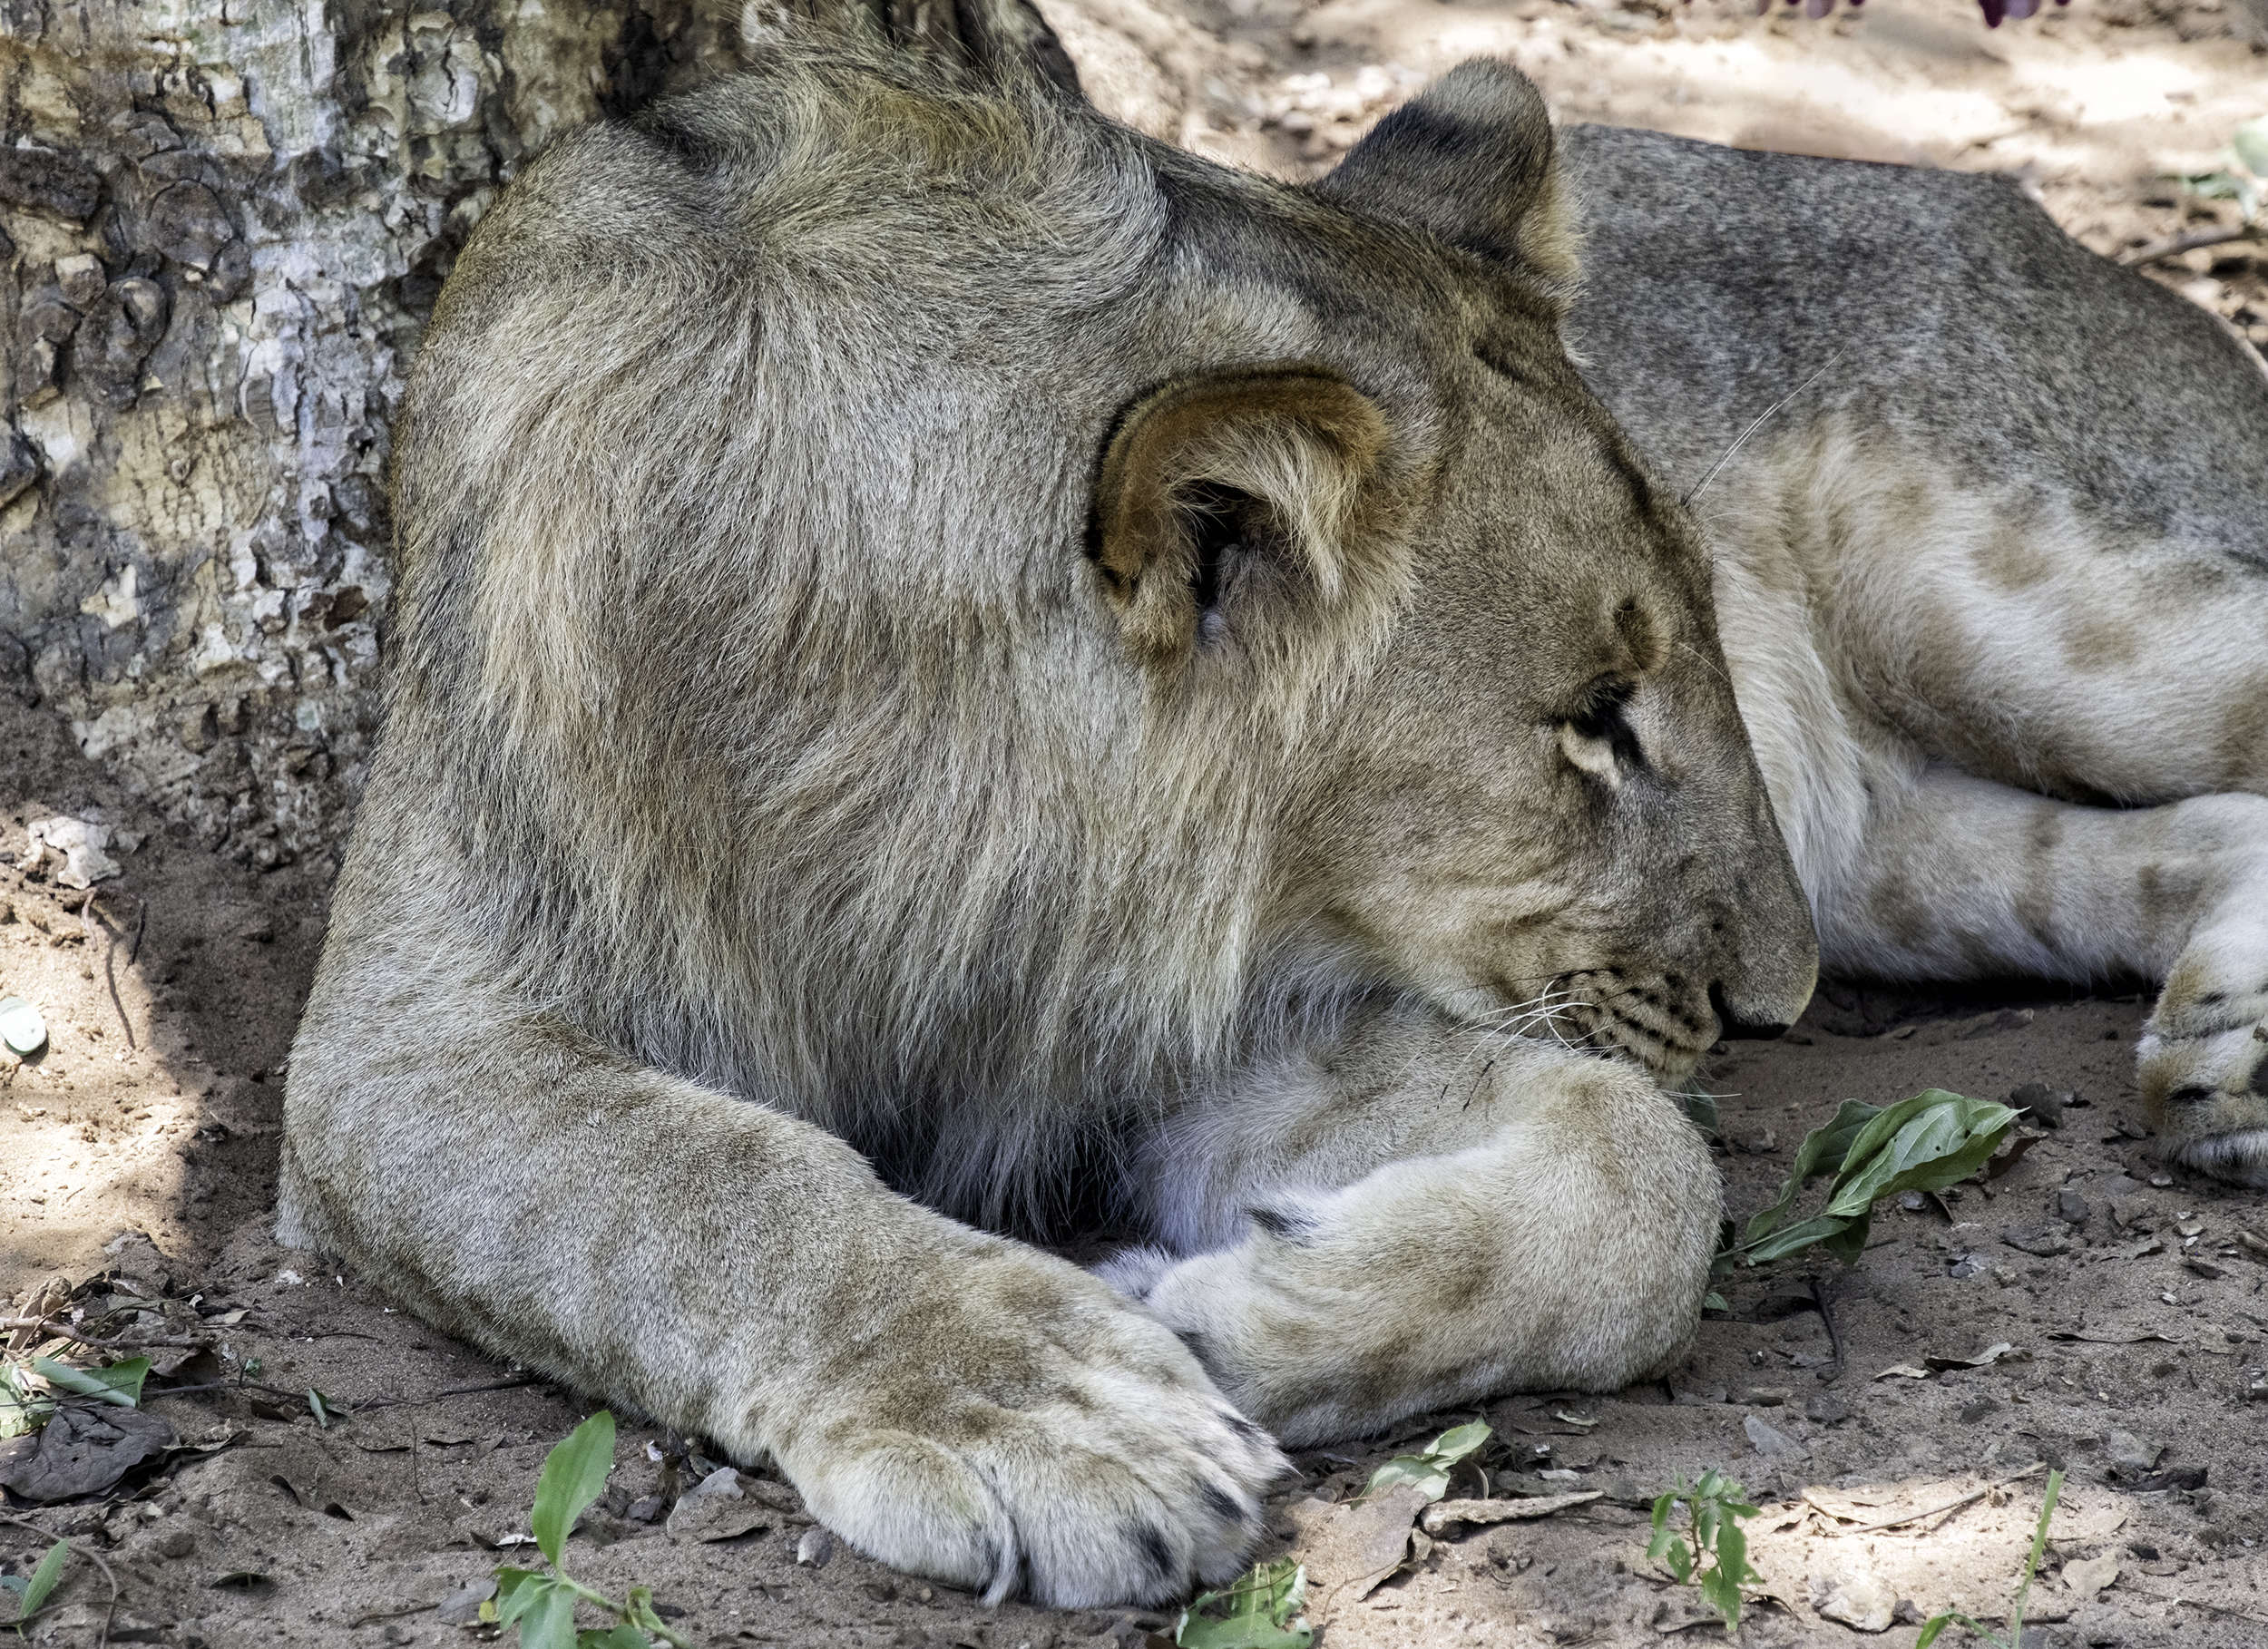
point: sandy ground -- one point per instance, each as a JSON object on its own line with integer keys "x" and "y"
{"x": 137, "y": 1157}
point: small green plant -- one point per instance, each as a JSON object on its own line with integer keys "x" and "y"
{"x": 31, "y": 1590}
{"x": 1261, "y": 1611}
{"x": 1938, "y": 1623}
{"x": 2245, "y": 177}
{"x": 1927, "y": 1143}
{"x": 1710, "y": 1547}
{"x": 544, "y": 1605}
{"x": 27, "y": 1392}
{"x": 1429, "y": 1469}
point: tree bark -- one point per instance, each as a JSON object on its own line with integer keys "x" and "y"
{"x": 225, "y": 224}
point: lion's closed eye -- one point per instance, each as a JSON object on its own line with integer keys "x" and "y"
{"x": 1596, "y": 736}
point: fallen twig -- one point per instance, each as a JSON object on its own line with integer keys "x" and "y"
{"x": 2173, "y": 246}
{"x": 1827, "y": 1316}
{"x": 1949, "y": 1505}
{"x": 110, "y": 972}
{"x": 513, "y": 1384}
{"x": 1445, "y": 1514}
{"x": 2196, "y": 1603}
{"x": 125, "y": 1343}
{"x": 104, "y": 1637}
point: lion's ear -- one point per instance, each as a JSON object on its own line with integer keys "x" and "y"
{"x": 1470, "y": 160}
{"x": 1236, "y": 501}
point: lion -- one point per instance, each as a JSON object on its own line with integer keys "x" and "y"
{"x": 955, "y": 668}
{"x": 960, "y": 671}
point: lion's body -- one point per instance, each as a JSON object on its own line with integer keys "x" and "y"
{"x": 1993, "y": 583}
{"x": 938, "y": 632}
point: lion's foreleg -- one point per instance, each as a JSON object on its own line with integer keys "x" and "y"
{"x": 1963, "y": 878}
{"x": 954, "y": 1403}
{"x": 1432, "y": 1222}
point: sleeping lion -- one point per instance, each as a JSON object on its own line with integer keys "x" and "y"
{"x": 960, "y": 671}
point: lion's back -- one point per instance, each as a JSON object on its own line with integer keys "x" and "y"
{"x": 1942, "y": 308}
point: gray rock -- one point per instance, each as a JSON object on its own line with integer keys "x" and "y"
{"x": 1768, "y": 1439}
{"x": 2130, "y": 1452}
{"x": 2044, "y": 1104}
{"x": 1843, "y": 1589}
{"x": 815, "y": 1549}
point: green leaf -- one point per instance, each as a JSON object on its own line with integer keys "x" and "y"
{"x": 319, "y": 1408}
{"x": 574, "y": 1475}
{"x": 2250, "y": 143}
{"x": 1458, "y": 1441}
{"x": 1790, "y": 1239}
{"x": 2039, "y": 1544}
{"x": 120, "y": 1383}
{"x": 1256, "y": 1613}
{"x": 1714, "y": 1301}
{"x": 1679, "y": 1556}
{"x": 549, "y": 1621}
{"x": 1701, "y": 1111}
{"x": 22, "y": 1408}
{"x": 622, "y": 1637}
{"x": 1821, "y": 1152}
{"x": 1429, "y": 1469}
{"x": 42, "y": 1580}
{"x": 1927, "y": 1143}
{"x": 1938, "y": 1623}
{"x": 516, "y": 1592}
{"x": 1413, "y": 1469}
{"x": 1849, "y": 1245}
{"x": 1722, "y": 1593}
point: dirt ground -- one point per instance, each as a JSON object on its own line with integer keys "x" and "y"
{"x": 137, "y": 1158}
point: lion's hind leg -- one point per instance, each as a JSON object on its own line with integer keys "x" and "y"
{"x": 1435, "y": 1219}
{"x": 2066, "y": 715}
{"x": 1960, "y": 877}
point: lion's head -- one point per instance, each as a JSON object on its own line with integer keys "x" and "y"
{"x": 984, "y": 616}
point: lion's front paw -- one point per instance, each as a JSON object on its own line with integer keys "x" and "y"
{"x": 1032, "y": 1432}
{"x": 2204, "y": 1065}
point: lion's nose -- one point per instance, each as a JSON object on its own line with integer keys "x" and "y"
{"x": 1732, "y": 1028}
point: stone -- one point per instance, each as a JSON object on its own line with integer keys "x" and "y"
{"x": 120, "y": 330}
{"x": 2089, "y": 1575}
{"x": 1768, "y": 1439}
{"x": 2045, "y": 1104}
{"x": 75, "y": 848}
{"x": 40, "y": 180}
{"x": 2071, "y": 1207}
{"x": 2127, "y": 1451}
{"x": 815, "y": 1549}
{"x": 721, "y": 1507}
{"x": 1843, "y": 1589}
{"x": 19, "y": 468}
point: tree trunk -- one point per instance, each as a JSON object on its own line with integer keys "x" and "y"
{"x": 225, "y": 223}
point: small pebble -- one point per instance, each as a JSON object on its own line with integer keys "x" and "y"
{"x": 815, "y": 1547}
{"x": 2044, "y": 1104}
{"x": 1766, "y": 1438}
{"x": 21, "y": 1028}
{"x": 2070, "y": 1206}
